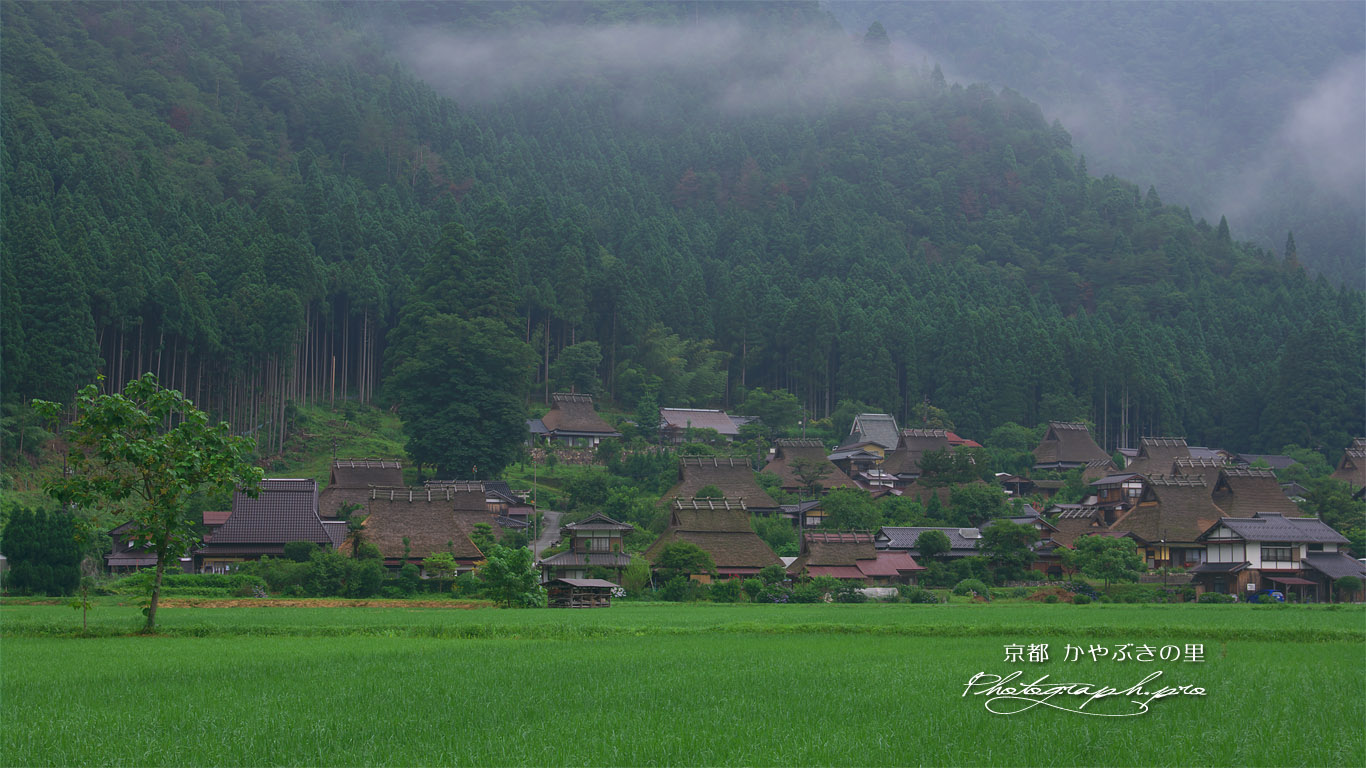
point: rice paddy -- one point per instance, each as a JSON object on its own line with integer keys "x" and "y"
{"x": 649, "y": 684}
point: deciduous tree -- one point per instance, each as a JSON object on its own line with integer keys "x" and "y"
{"x": 140, "y": 455}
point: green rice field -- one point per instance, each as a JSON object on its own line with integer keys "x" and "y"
{"x": 664, "y": 684}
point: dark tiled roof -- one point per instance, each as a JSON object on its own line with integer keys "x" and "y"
{"x": 1068, "y": 442}
{"x": 284, "y": 511}
{"x": 604, "y": 559}
{"x": 1305, "y": 530}
{"x": 878, "y": 428}
{"x": 362, "y": 473}
{"x": 962, "y": 540}
{"x": 733, "y": 476}
{"x": 574, "y": 413}
{"x": 1272, "y": 460}
{"x": 597, "y": 522}
{"x": 336, "y": 531}
{"x": 1334, "y": 565}
{"x": 808, "y": 450}
{"x": 697, "y": 418}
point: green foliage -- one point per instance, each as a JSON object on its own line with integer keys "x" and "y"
{"x": 847, "y": 509}
{"x": 1078, "y": 599}
{"x": 1215, "y": 597}
{"x": 140, "y": 456}
{"x": 1106, "y": 558}
{"x": 300, "y": 551}
{"x": 708, "y": 492}
{"x": 683, "y": 558}
{"x": 1008, "y": 548}
{"x": 972, "y": 587}
{"x": 576, "y": 368}
{"x": 777, "y": 409}
{"x": 976, "y": 503}
{"x": 483, "y": 537}
{"x": 440, "y": 566}
{"x": 636, "y": 577}
{"x": 681, "y": 589}
{"x": 932, "y": 545}
{"x": 510, "y": 578}
{"x": 777, "y": 532}
{"x": 1348, "y": 587}
{"x": 915, "y": 594}
{"x": 727, "y": 591}
{"x": 43, "y": 555}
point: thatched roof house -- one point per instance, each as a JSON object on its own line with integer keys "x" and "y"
{"x": 433, "y": 520}
{"x": 1352, "y": 468}
{"x": 1068, "y": 445}
{"x": 572, "y": 420}
{"x": 852, "y": 555}
{"x": 732, "y": 476}
{"x": 720, "y": 527}
{"x": 787, "y": 451}
{"x": 350, "y": 480}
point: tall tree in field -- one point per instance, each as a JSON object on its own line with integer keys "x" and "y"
{"x": 1101, "y": 557}
{"x": 456, "y": 369}
{"x": 140, "y": 455}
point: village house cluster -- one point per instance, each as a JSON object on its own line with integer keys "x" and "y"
{"x": 1223, "y": 524}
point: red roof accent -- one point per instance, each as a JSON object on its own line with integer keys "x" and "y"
{"x": 889, "y": 564}
{"x": 955, "y": 441}
{"x": 216, "y": 517}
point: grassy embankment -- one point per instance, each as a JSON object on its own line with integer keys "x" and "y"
{"x": 671, "y": 684}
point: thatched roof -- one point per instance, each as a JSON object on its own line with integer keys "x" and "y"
{"x": 1158, "y": 455}
{"x": 1174, "y": 508}
{"x": 913, "y": 444}
{"x": 1068, "y": 442}
{"x": 849, "y": 555}
{"x": 432, "y": 520}
{"x": 574, "y": 413}
{"x": 363, "y": 473}
{"x": 788, "y": 451}
{"x": 1352, "y": 468}
{"x": 1247, "y": 492}
{"x": 732, "y": 476}
{"x": 719, "y": 530}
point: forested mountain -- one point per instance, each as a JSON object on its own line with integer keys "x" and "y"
{"x": 1251, "y": 110}
{"x": 685, "y": 199}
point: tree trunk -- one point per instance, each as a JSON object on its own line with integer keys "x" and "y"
{"x": 151, "y": 625}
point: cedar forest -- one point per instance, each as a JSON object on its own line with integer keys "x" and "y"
{"x": 271, "y": 203}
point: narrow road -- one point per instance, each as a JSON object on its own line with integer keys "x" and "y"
{"x": 550, "y": 531}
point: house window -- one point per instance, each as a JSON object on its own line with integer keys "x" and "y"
{"x": 1277, "y": 553}
{"x": 1315, "y": 547}
{"x": 599, "y": 545}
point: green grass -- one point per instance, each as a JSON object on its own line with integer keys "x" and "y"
{"x": 667, "y": 684}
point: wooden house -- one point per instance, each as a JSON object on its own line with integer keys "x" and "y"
{"x": 1352, "y": 468}
{"x": 873, "y": 431}
{"x": 579, "y": 593}
{"x": 411, "y": 524}
{"x": 349, "y": 482}
{"x": 594, "y": 542}
{"x": 904, "y": 462}
{"x": 676, "y": 425}
{"x": 720, "y": 527}
{"x": 788, "y": 451}
{"x": 573, "y": 422}
{"x": 1272, "y": 551}
{"x": 732, "y": 476}
{"x": 1066, "y": 446}
{"x": 852, "y": 556}
{"x": 1157, "y": 455}
{"x": 1170, "y": 514}
{"x": 129, "y": 552}
{"x": 962, "y": 541}
{"x": 284, "y": 511}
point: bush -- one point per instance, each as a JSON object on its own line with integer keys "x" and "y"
{"x": 681, "y": 589}
{"x": 972, "y": 587}
{"x": 1215, "y": 597}
{"x": 808, "y": 593}
{"x": 917, "y": 594}
{"x": 1053, "y": 599}
{"x": 752, "y": 588}
{"x": 300, "y": 551}
{"x": 1079, "y": 587}
{"x": 1188, "y": 594}
{"x": 1081, "y": 600}
{"x": 726, "y": 591}
{"x": 850, "y": 592}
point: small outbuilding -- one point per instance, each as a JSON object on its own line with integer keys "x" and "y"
{"x": 580, "y": 593}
